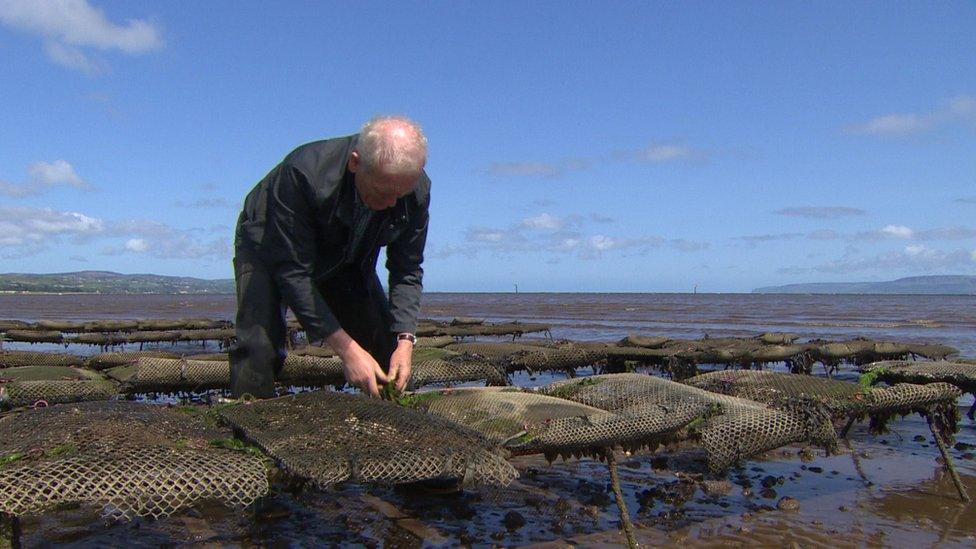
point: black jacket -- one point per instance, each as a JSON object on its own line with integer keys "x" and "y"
{"x": 298, "y": 219}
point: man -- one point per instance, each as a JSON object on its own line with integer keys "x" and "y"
{"x": 309, "y": 237}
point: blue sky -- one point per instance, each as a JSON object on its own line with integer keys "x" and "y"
{"x": 612, "y": 146}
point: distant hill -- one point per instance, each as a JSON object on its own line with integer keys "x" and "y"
{"x": 945, "y": 284}
{"x": 106, "y": 282}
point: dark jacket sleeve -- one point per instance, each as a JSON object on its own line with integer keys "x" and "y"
{"x": 404, "y": 257}
{"x": 291, "y": 227}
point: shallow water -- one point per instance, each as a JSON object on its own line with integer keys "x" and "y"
{"x": 895, "y": 494}
{"x": 936, "y": 319}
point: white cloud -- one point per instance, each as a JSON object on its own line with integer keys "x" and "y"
{"x": 44, "y": 175}
{"x": 898, "y": 231}
{"x": 824, "y": 234}
{"x": 550, "y": 234}
{"x": 526, "y": 169}
{"x": 601, "y": 243}
{"x": 753, "y": 240}
{"x": 547, "y": 170}
{"x": 485, "y": 235}
{"x": 892, "y": 125}
{"x": 913, "y": 259}
{"x": 946, "y": 233}
{"x": 963, "y": 105}
{"x": 136, "y": 245}
{"x": 543, "y": 221}
{"x": 956, "y": 109}
{"x": 572, "y": 243}
{"x": 204, "y": 203}
{"x": 58, "y": 172}
{"x": 165, "y": 242}
{"x": 73, "y": 58}
{"x": 820, "y": 212}
{"x": 40, "y": 226}
{"x": 68, "y": 26}
{"x": 684, "y": 245}
{"x": 661, "y": 153}
{"x": 26, "y": 231}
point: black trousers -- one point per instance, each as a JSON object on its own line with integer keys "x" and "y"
{"x": 355, "y": 297}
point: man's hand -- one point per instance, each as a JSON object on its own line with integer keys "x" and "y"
{"x": 360, "y": 367}
{"x": 400, "y": 364}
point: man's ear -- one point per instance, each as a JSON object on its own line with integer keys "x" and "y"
{"x": 354, "y": 162}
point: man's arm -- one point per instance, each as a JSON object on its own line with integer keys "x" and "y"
{"x": 291, "y": 251}
{"x": 404, "y": 258}
{"x": 291, "y": 230}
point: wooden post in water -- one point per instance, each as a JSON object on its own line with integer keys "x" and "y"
{"x": 947, "y": 460}
{"x": 628, "y": 526}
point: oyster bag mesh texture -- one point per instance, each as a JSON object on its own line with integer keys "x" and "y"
{"x": 529, "y": 423}
{"x": 330, "y": 437}
{"x": 737, "y": 428}
{"x": 128, "y": 459}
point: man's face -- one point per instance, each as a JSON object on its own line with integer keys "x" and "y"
{"x": 379, "y": 189}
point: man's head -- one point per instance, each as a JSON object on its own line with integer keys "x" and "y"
{"x": 388, "y": 160}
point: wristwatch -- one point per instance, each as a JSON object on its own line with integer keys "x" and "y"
{"x": 409, "y": 337}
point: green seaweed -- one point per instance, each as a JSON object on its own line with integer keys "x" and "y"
{"x": 237, "y": 445}
{"x": 10, "y": 458}
{"x": 713, "y": 410}
{"x": 868, "y": 379}
{"x": 209, "y": 414}
{"x": 523, "y": 439}
{"x": 67, "y": 448}
{"x": 569, "y": 390}
{"x": 421, "y": 354}
{"x": 390, "y": 393}
{"x": 417, "y": 400}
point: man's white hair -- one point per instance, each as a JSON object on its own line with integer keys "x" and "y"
{"x": 394, "y": 142}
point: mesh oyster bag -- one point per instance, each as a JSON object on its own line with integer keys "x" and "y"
{"x": 30, "y": 385}
{"x": 516, "y": 356}
{"x": 311, "y": 370}
{"x": 10, "y": 359}
{"x": 841, "y": 399}
{"x": 126, "y": 458}
{"x": 151, "y": 374}
{"x": 530, "y": 423}
{"x": 490, "y": 349}
{"x": 34, "y": 336}
{"x": 514, "y": 328}
{"x": 738, "y": 428}
{"x": 432, "y": 366}
{"x": 104, "y": 361}
{"x": 960, "y": 374}
{"x": 328, "y": 437}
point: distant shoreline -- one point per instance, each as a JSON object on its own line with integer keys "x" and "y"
{"x": 110, "y": 283}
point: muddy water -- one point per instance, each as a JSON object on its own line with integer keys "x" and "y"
{"x": 894, "y": 494}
